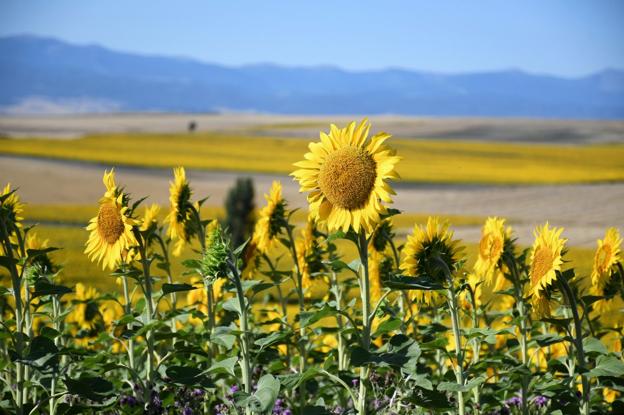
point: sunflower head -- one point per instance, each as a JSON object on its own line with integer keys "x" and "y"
{"x": 540, "y": 303}
{"x": 271, "y": 220}
{"x": 85, "y": 313}
{"x": 179, "y": 218}
{"x": 11, "y": 207}
{"x": 382, "y": 234}
{"x": 110, "y": 232}
{"x": 347, "y": 176}
{"x": 606, "y": 258}
{"x": 150, "y": 218}
{"x": 546, "y": 257}
{"x": 495, "y": 237}
{"x": 426, "y": 249}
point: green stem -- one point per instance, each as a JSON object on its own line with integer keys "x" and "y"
{"x": 128, "y": 311}
{"x": 19, "y": 343}
{"x": 517, "y": 284}
{"x": 339, "y": 321}
{"x": 150, "y": 312}
{"x": 244, "y": 339}
{"x": 56, "y": 311}
{"x": 300, "y": 298}
{"x": 366, "y": 330}
{"x": 476, "y": 346}
{"x": 459, "y": 355}
{"x": 578, "y": 340}
{"x": 174, "y": 297}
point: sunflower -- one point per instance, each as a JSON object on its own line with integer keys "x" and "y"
{"x": 271, "y": 220}
{"x": 180, "y": 215}
{"x": 11, "y": 206}
{"x": 541, "y": 304}
{"x": 423, "y": 249}
{"x": 346, "y": 175}
{"x": 85, "y": 313}
{"x": 606, "y": 257}
{"x": 150, "y": 217}
{"x": 546, "y": 257}
{"x": 111, "y": 230}
{"x": 494, "y": 236}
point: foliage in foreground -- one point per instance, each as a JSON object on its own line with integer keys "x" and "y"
{"x": 404, "y": 329}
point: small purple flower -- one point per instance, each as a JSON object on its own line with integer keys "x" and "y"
{"x": 540, "y": 401}
{"x": 515, "y": 401}
{"x": 197, "y": 393}
{"x": 287, "y": 412}
{"x": 377, "y": 404}
{"x": 233, "y": 389}
{"x": 187, "y": 411}
{"x": 338, "y": 410}
{"x": 128, "y": 400}
{"x": 355, "y": 382}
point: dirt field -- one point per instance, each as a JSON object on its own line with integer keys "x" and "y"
{"x": 497, "y": 129}
{"x": 585, "y": 210}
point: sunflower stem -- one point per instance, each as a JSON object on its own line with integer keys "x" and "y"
{"x": 128, "y": 311}
{"x": 365, "y": 294}
{"x": 517, "y": 285}
{"x": 244, "y": 338}
{"x": 299, "y": 289}
{"x": 150, "y": 314}
{"x": 459, "y": 355}
{"x": 577, "y": 339}
{"x": 19, "y": 338}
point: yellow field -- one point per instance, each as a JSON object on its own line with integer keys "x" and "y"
{"x": 423, "y": 160}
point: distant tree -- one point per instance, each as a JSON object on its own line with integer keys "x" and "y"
{"x": 239, "y": 209}
{"x": 192, "y": 126}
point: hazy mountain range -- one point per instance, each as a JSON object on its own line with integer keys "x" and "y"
{"x": 47, "y": 75}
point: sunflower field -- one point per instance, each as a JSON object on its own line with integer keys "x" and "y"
{"x": 400, "y": 327}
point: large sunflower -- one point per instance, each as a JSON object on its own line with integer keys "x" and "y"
{"x": 423, "y": 249}
{"x": 271, "y": 218}
{"x": 546, "y": 257}
{"x": 181, "y": 210}
{"x": 111, "y": 230}
{"x": 346, "y": 175}
{"x": 494, "y": 235}
{"x": 606, "y": 257}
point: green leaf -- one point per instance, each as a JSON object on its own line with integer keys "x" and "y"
{"x": 223, "y": 339}
{"x": 94, "y": 388}
{"x": 174, "y": 288}
{"x": 33, "y": 253}
{"x": 224, "y": 366}
{"x": 548, "y": 339}
{"x": 388, "y": 326}
{"x": 402, "y": 282}
{"x": 267, "y": 392}
{"x": 43, "y": 287}
{"x": 184, "y": 375}
{"x": 431, "y": 399}
{"x": 233, "y": 305}
{"x": 608, "y": 365}
{"x": 271, "y": 338}
{"x": 308, "y": 318}
{"x": 456, "y": 387}
{"x": 593, "y": 345}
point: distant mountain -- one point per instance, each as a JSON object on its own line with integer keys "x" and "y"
{"x": 41, "y": 74}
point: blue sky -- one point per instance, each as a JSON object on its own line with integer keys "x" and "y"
{"x": 563, "y": 37}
